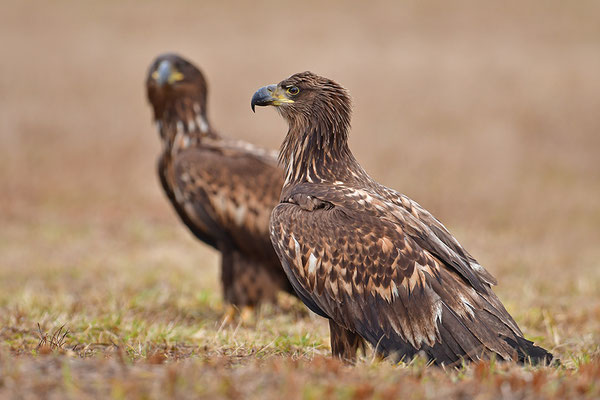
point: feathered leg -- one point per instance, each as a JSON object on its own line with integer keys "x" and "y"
{"x": 227, "y": 274}
{"x": 246, "y": 284}
{"x": 344, "y": 343}
{"x": 251, "y": 284}
{"x": 227, "y": 279}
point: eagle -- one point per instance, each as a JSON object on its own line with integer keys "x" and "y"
{"x": 223, "y": 190}
{"x": 372, "y": 261}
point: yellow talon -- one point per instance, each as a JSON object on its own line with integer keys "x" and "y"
{"x": 247, "y": 314}
{"x": 229, "y": 315}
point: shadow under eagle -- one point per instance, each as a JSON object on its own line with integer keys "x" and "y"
{"x": 222, "y": 189}
{"x": 375, "y": 263}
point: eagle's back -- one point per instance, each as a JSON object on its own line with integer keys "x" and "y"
{"x": 224, "y": 191}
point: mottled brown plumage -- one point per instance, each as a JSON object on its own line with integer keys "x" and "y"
{"x": 223, "y": 190}
{"x": 371, "y": 260}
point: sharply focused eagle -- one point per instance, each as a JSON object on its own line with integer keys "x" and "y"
{"x": 223, "y": 190}
{"x": 374, "y": 262}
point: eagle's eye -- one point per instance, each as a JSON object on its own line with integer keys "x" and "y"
{"x": 293, "y": 90}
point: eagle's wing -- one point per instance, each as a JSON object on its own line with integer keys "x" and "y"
{"x": 433, "y": 236}
{"x": 353, "y": 261}
{"x": 228, "y": 194}
{"x": 200, "y": 230}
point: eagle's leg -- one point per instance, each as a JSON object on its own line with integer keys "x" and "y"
{"x": 227, "y": 282}
{"x": 344, "y": 343}
{"x": 246, "y": 284}
{"x": 227, "y": 273}
{"x": 251, "y": 284}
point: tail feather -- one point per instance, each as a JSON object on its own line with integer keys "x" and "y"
{"x": 529, "y": 352}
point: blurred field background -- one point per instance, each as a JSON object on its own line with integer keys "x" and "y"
{"x": 486, "y": 114}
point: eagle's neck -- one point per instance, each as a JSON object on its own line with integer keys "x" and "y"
{"x": 316, "y": 150}
{"x": 183, "y": 124}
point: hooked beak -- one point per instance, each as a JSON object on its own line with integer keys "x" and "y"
{"x": 269, "y": 96}
{"x": 166, "y": 73}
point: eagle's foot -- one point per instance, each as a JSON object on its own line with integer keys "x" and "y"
{"x": 229, "y": 315}
{"x": 246, "y": 315}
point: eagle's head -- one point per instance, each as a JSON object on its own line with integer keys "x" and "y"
{"x": 317, "y": 111}
{"x": 306, "y": 98}
{"x": 172, "y": 78}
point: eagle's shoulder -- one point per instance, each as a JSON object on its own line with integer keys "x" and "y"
{"x": 221, "y": 164}
{"x": 241, "y": 149}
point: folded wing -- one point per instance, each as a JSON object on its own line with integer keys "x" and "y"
{"x": 378, "y": 270}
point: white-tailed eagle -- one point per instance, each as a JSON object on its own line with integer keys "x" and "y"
{"x": 222, "y": 189}
{"x": 379, "y": 266}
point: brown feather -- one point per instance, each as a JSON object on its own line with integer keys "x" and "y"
{"x": 387, "y": 270}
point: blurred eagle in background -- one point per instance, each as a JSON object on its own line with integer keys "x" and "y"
{"x": 222, "y": 189}
{"x": 379, "y": 266}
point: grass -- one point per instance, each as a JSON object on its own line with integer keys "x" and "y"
{"x": 146, "y": 323}
{"x": 486, "y": 116}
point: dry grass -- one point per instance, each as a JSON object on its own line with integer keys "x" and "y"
{"x": 486, "y": 115}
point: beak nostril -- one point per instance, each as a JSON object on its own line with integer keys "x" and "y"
{"x": 271, "y": 89}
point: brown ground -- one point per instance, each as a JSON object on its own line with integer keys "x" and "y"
{"x": 487, "y": 116}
